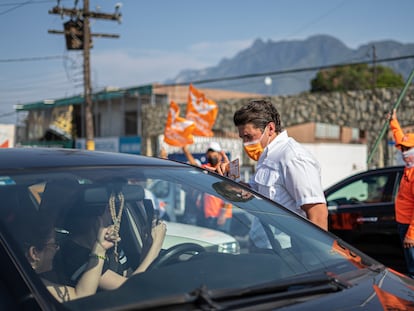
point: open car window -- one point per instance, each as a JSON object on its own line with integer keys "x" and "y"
{"x": 375, "y": 188}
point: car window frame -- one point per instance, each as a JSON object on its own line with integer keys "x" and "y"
{"x": 391, "y": 187}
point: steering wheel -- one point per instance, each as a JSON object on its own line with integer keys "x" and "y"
{"x": 173, "y": 253}
{"x": 354, "y": 200}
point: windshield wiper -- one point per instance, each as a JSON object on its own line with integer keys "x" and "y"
{"x": 275, "y": 291}
{"x": 274, "y": 294}
{"x": 359, "y": 259}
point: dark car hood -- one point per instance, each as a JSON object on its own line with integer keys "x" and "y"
{"x": 365, "y": 289}
{"x": 388, "y": 290}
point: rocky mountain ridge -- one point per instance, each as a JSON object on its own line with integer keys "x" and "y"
{"x": 288, "y": 60}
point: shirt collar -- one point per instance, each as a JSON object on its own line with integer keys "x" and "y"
{"x": 280, "y": 138}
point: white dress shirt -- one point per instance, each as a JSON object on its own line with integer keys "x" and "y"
{"x": 288, "y": 174}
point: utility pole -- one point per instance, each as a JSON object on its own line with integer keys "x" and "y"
{"x": 87, "y": 89}
{"x": 78, "y": 37}
{"x": 374, "y": 68}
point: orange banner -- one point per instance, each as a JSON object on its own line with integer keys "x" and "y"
{"x": 4, "y": 144}
{"x": 353, "y": 258}
{"x": 178, "y": 130}
{"x": 392, "y": 302}
{"x": 202, "y": 111}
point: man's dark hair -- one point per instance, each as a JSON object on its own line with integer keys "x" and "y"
{"x": 259, "y": 112}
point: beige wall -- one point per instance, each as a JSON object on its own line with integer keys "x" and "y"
{"x": 304, "y": 133}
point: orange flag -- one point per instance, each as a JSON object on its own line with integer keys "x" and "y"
{"x": 392, "y": 302}
{"x": 4, "y": 144}
{"x": 178, "y": 131}
{"x": 202, "y": 111}
{"x": 353, "y": 258}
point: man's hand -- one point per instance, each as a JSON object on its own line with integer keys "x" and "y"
{"x": 223, "y": 167}
{"x": 392, "y": 115}
{"x": 408, "y": 243}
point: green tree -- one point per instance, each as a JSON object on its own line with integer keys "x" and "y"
{"x": 355, "y": 77}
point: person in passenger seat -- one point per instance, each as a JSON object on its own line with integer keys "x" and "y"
{"x": 38, "y": 240}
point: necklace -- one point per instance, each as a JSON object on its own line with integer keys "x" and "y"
{"x": 116, "y": 219}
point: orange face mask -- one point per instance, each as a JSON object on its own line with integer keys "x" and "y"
{"x": 254, "y": 149}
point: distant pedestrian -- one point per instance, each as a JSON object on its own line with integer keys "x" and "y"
{"x": 213, "y": 213}
{"x": 404, "y": 202}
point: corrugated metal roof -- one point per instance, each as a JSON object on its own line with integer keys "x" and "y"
{"x": 177, "y": 93}
{"x": 77, "y": 100}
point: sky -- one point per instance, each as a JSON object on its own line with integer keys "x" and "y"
{"x": 158, "y": 39}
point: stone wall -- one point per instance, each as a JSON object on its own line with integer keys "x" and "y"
{"x": 365, "y": 110}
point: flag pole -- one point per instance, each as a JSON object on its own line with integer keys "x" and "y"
{"x": 386, "y": 125}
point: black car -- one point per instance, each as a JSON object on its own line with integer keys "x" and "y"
{"x": 361, "y": 211}
{"x": 270, "y": 258}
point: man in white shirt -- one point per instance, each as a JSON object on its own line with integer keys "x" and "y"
{"x": 286, "y": 172}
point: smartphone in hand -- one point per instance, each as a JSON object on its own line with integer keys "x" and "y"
{"x": 234, "y": 169}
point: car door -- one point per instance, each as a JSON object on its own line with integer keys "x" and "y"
{"x": 20, "y": 287}
{"x": 362, "y": 206}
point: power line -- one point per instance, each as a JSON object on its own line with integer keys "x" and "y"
{"x": 238, "y": 77}
{"x": 274, "y": 73}
{"x": 7, "y": 114}
{"x": 30, "y": 59}
{"x": 28, "y": 2}
{"x": 251, "y": 53}
{"x": 78, "y": 37}
{"x": 318, "y": 18}
{"x": 15, "y": 5}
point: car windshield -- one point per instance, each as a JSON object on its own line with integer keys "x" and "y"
{"x": 252, "y": 241}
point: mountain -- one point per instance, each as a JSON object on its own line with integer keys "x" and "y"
{"x": 268, "y": 57}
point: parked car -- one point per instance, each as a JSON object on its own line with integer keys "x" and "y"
{"x": 214, "y": 240}
{"x": 362, "y": 212}
{"x": 288, "y": 263}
